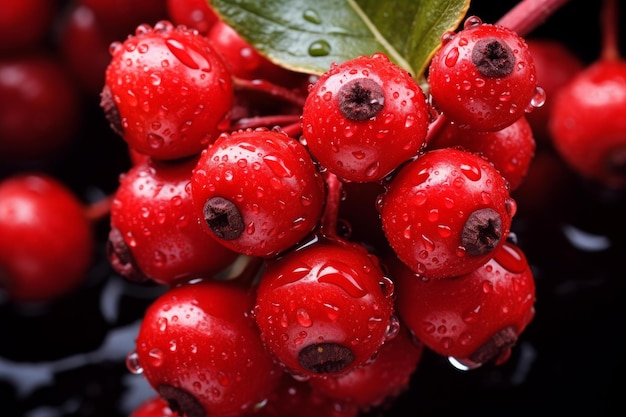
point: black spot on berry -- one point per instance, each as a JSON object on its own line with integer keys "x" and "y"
{"x": 497, "y": 346}
{"x": 223, "y": 218}
{"x": 361, "y": 99}
{"x": 111, "y": 111}
{"x": 121, "y": 258}
{"x": 482, "y": 232}
{"x": 181, "y": 402}
{"x": 325, "y": 358}
{"x": 493, "y": 58}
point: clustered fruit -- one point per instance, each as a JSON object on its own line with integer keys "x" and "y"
{"x": 235, "y": 202}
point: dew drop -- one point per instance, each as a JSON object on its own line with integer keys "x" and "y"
{"x": 472, "y": 21}
{"x": 319, "y": 48}
{"x": 277, "y": 166}
{"x": 393, "y": 328}
{"x": 539, "y": 98}
{"x": 188, "y": 56}
{"x": 343, "y": 276}
{"x": 303, "y": 318}
{"x": 155, "y": 356}
{"x": 472, "y": 172}
{"x": 311, "y": 16}
{"x": 452, "y": 57}
{"x": 133, "y": 364}
{"x": 155, "y": 141}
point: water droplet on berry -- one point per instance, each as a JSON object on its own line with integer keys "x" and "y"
{"x": 155, "y": 357}
{"x": 393, "y": 328}
{"x": 303, "y": 318}
{"x": 343, "y": 276}
{"x": 447, "y": 36}
{"x": 538, "y": 99}
{"x": 189, "y": 57}
{"x": 155, "y": 141}
{"x": 277, "y": 166}
{"x": 133, "y": 364}
{"x": 319, "y": 48}
{"x": 472, "y": 21}
{"x": 312, "y": 16}
{"x": 372, "y": 170}
{"x": 471, "y": 171}
{"x": 452, "y": 57}
{"x": 462, "y": 365}
{"x": 115, "y": 47}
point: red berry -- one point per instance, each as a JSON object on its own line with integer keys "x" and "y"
{"x": 483, "y": 77}
{"x": 24, "y": 24}
{"x": 258, "y": 191}
{"x": 325, "y": 308}
{"x": 155, "y": 232}
{"x": 46, "y": 240}
{"x": 445, "y": 212}
{"x": 364, "y": 117}
{"x": 588, "y": 125}
{"x": 167, "y": 92}
{"x": 39, "y": 108}
{"x": 475, "y": 318}
{"x": 200, "y": 350}
{"x": 510, "y": 149}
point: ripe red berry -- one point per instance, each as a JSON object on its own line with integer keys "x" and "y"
{"x": 588, "y": 126}
{"x": 510, "y": 149}
{"x": 24, "y": 24}
{"x": 153, "y": 407}
{"x": 475, "y": 318}
{"x": 195, "y": 14}
{"x": 258, "y": 191}
{"x": 167, "y": 92}
{"x": 46, "y": 240}
{"x": 445, "y": 212}
{"x": 325, "y": 308}
{"x": 155, "y": 232}
{"x": 200, "y": 350}
{"x": 39, "y": 108}
{"x": 364, "y": 117}
{"x": 483, "y": 77}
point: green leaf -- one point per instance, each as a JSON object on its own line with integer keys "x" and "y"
{"x": 308, "y": 36}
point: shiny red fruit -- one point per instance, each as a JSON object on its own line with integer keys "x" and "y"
{"x": 325, "y": 308}
{"x": 167, "y": 92}
{"x": 46, "y": 240}
{"x": 588, "y": 126}
{"x": 445, "y": 212}
{"x": 200, "y": 350}
{"x": 153, "y": 407}
{"x": 258, "y": 191}
{"x": 155, "y": 232}
{"x": 475, "y": 318}
{"x": 364, "y": 117}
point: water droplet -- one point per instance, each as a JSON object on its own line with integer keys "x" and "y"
{"x": 155, "y": 141}
{"x": 343, "y": 276}
{"x": 463, "y": 365}
{"x": 472, "y": 21}
{"x": 319, "y": 48}
{"x": 303, "y": 318}
{"x": 155, "y": 356}
{"x": 539, "y": 98}
{"x": 472, "y": 172}
{"x": 452, "y": 57}
{"x": 132, "y": 363}
{"x": 393, "y": 328}
{"x": 189, "y": 57}
{"x": 312, "y": 16}
{"x": 277, "y": 165}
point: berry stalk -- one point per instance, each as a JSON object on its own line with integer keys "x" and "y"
{"x": 528, "y": 14}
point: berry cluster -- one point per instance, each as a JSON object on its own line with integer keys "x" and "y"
{"x": 233, "y": 202}
{"x": 313, "y": 235}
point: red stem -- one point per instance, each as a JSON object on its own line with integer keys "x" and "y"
{"x": 528, "y": 14}
{"x": 266, "y": 121}
{"x": 98, "y": 210}
{"x": 266, "y": 87}
{"x": 609, "y": 25}
{"x": 333, "y": 199}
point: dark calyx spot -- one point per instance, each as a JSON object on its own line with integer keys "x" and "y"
{"x": 223, "y": 218}
{"x": 325, "y": 358}
{"x": 499, "y": 344}
{"x": 181, "y": 402}
{"x": 493, "y": 58}
{"x": 111, "y": 112}
{"x": 361, "y": 99}
{"x": 121, "y": 258}
{"x": 482, "y": 232}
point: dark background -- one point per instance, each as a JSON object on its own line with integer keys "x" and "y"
{"x": 67, "y": 358}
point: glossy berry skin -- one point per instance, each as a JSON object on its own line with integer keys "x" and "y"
{"x": 155, "y": 232}
{"x": 380, "y": 381}
{"x": 167, "y": 92}
{"x": 24, "y": 24}
{"x": 475, "y": 318}
{"x": 483, "y": 77}
{"x": 587, "y": 123}
{"x": 510, "y": 149}
{"x": 39, "y": 108}
{"x": 446, "y": 211}
{"x": 325, "y": 308}
{"x": 364, "y": 117}
{"x": 199, "y": 349}
{"x": 46, "y": 240}
{"x": 258, "y": 191}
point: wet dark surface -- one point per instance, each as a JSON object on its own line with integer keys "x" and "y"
{"x": 67, "y": 358}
